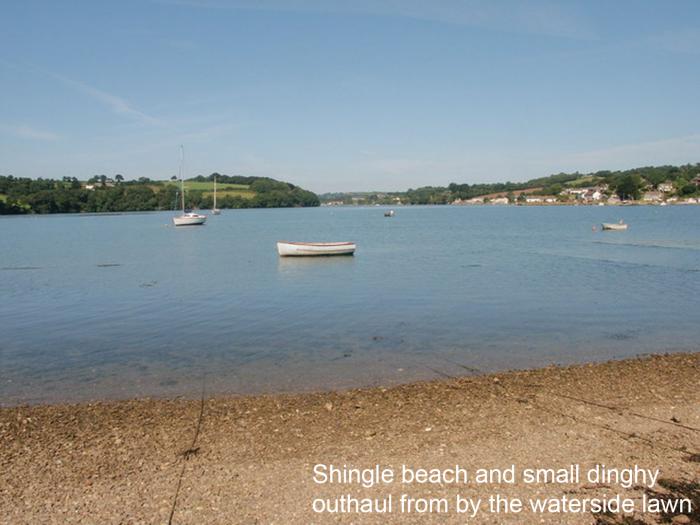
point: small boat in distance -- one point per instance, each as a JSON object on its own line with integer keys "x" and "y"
{"x": 188, "y": 218}
{"x": 619, "y": 226}
{"x": 389, "y": 213}
{"x": 215, "y": 210}
{"x": 309, "y": 249}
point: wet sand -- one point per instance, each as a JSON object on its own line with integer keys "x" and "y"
{"x": 250, "y": 459}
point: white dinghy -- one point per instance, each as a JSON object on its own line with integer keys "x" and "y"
{"x": 614, "y": 226}
{"x": 308, "y": 249}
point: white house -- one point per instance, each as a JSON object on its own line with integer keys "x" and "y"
{"x": 536, "y": 199}
{"x": 578, "y": 192}
{"x": 593, "y": 195}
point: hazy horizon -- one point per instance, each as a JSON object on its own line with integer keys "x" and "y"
{"x": 340, "y": 97}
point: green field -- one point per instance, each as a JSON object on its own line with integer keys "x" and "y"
{"x": 245, "y": 194}
{"x": 209, "y": 186}
{"x": 3, "y": 197}
{"x": 222, "y": 189}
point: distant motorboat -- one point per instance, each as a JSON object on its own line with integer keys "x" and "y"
{"x": 389, "y": 213}
{"x": 615, "y": 226}
{"x": 309, "y": 249}
{"x": 187, "y": 218}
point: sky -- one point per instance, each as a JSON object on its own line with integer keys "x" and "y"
{"x": 347, "y": 96}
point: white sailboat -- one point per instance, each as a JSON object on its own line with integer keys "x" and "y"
{"x": 215, "y": 210}
{"x": 187, "y": 218}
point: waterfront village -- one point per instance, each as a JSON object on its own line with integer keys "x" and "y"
{"x": 664, "y": 193}
{"x": 599, "y": 194}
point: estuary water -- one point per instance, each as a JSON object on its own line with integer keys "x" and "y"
{"x": 119, "y": 306}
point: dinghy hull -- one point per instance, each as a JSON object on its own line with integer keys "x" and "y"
{"x": 314, "y": 249}
{"x": 614, "y": 226}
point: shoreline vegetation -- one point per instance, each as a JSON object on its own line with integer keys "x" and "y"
{"x": 102, "y": 194}
{"x": 250, "y": 459}
{"x": 99, "y": 194}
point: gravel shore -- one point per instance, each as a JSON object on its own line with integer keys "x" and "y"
{"x": 250, "y": 459}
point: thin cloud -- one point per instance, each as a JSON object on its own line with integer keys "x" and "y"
{"x": 117, "y": 104}
{"x": 541, "y": 18}
{"x": 679, "y": 41}
{"x": 672, "y": 150}
{"x": 27, "y": 132}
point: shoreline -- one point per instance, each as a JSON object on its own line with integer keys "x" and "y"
{"x": 242, "y": 459}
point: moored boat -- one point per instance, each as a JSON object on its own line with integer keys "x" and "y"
{"x": 215, "y": 210}
{"x": 187, "y": 218}
{"x": 389, "y": 213}
{"x": 308, "y": 249}
{"x": 615, "y": 226}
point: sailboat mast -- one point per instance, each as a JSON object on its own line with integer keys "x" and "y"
{"x": 182, "y": 182}
{"x": 214, "y": 191}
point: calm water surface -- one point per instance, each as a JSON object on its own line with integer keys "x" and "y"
{"x": 118, "y": 306}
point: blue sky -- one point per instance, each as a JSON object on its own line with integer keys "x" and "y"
{"x": 340, "y": 96}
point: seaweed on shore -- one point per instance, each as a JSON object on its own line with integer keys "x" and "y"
{"x": 677, "y": 490}
{"x": 672, "y": 490}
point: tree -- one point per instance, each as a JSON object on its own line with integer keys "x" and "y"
{"x": 119, "y": 178}
{"x": 688, "y": 189}
{"x": 629, "y": 186}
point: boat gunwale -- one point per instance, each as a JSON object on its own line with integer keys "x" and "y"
{"x": 319, "y": 244}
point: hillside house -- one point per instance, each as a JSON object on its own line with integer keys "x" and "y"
{"x": 653, "y": 196}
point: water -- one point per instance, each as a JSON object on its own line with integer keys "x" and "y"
{"x": 116, "y": 306}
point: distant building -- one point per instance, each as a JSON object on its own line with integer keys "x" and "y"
{"x": 653, "y": 196}
{"x": 696, "y": 180}
{"x": 589, "y": 194}
{"x": 666, "y": 187}
{"x": 577, "y": 192}
{"x": 593, "y": 194}
{"x": 500, "y": 200}
{"x": 613, "y": 199}
{"x": 540, "y": 199}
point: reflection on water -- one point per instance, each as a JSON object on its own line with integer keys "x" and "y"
{"x": 126, "y": 305}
